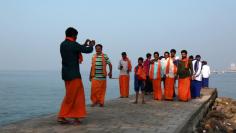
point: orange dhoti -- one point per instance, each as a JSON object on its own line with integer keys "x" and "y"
{"x": 73, "y": 105}
{"x": 157, "y": 92}
{"x": 169, "y": 88}
{"x": 124, "y": 85}
{"x": 184, "y": 89}
{"x": 98, "y": 91}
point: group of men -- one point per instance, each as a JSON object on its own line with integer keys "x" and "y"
{"x": 191, "y": 74}
{"x": 148, "y": 76}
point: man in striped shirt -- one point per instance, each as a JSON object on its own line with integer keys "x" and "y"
{"x": 98, "y": 76}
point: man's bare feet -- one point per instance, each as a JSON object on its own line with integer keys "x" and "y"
{"x": 93, "y": 105}
{"x": 62, "y": 120}
{"x": 169, "y": 99}
{"x": 76, "y": 121}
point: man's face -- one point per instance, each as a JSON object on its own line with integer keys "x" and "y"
{"x": 98, "y": 49}
{"x": 166, "y": 55}
{"x": 124, "y": 56}
{"x": 184, "y": 55}
{"x": 140, "y": 62}
{"x": 172, "y": 54}
{"x": 156, "y": 56}
{"x": 198, "y": 58}
{"x": 149, "y": 57}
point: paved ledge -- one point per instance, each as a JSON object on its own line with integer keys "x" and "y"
{"x": 122, "y": 116}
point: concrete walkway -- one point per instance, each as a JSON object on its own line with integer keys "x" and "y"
{"x": 122, "y": 116}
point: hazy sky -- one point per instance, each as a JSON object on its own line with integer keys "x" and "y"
{"x": 31, "y": 31}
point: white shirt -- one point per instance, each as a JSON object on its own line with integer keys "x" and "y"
{"x": 156, "y": 69}
{"x": 177, "y": 58}
{"x": 206, "y": 71}
{"x": 198, "y": 73}
{"x": 164, "y": 63}
{"x": 171, "y": 68}
{"x": 124, "y": 70}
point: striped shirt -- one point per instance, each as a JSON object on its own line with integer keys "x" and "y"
{"x": 99, "y": 67}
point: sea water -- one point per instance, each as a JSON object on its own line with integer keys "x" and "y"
{"x": 27, "y": 94}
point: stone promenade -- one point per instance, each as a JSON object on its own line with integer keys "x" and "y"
{"x": 122, "y": 116}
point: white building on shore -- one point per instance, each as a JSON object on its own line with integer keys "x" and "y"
{"x": 232, "y": 68}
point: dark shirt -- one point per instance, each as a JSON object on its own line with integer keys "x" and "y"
{"x": 183, "y": 71}
{"x": 70, "y": 60}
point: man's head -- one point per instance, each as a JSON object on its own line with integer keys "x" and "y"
{"x": 156, "y": 55}
{"x": 149, "y": 56}
{"x": 98, "y": 48}
{"x": 198, "y": 57}
{"x": 161, "y": 57}
{"x": 172, "y": 53}
{"x": 124, "y": 55}
{"x": 184, "y": 54}
{"x": 191, "y": 57}
{"x": 166, "y": 54}
{"x": 204, "y": 62}
{"x": 71, "y": 32}
{"x": 140, "y": 61}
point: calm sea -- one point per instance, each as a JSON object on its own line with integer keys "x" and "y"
{"x": 27, "y": 94}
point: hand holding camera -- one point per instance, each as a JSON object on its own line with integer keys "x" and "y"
{"x": 89, "y": 43}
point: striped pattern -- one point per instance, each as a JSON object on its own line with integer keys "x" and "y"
{"x": 99, "y": 67}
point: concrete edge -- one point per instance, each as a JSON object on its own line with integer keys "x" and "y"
{"x": 190, "y": 125}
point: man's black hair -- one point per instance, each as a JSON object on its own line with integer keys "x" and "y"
{"x": 191, "y": 57}
{"x": 99, "y": 45}
{"x": 161, "y": 57}
{"x": 71, "y": 32}
{"x": 140, "y": 58}
{"x": 148, "y": 55}
{"x": 204, "y": 62}
{"x": 167, "y": 52}
{"x": 184, "y": 51}
{"x": 198, "y": 56}
{"x": 123, "y": 53}
{"x": 173, "y": 51}
{"x": 156, "y": 53}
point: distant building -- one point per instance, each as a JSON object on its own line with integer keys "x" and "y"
{"x": 232, "y": 67}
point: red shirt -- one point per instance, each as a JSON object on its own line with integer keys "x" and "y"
{"x": 146, "y": 65}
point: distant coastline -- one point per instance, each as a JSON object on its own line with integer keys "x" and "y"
{"x": 224, "y": 71}
{"x": 230, "y": 71}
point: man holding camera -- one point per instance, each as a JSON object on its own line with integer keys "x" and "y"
{"x": 73, "y": 105}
